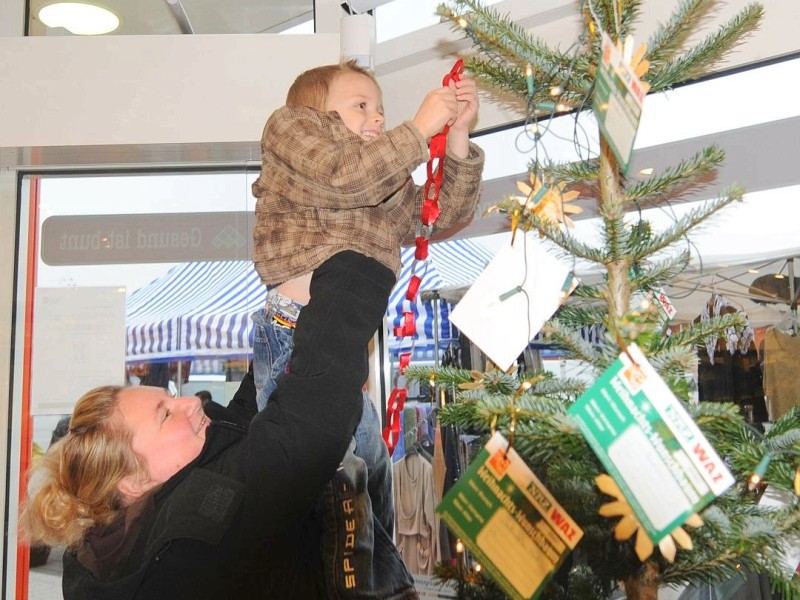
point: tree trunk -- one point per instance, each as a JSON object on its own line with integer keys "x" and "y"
{"x": 644, "y": 586}
{"x": 612, "y": 209}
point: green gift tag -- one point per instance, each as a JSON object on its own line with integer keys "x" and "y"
{"x": 661, "y": 461}
{"x": 618, "y": 101}
{"x": 509, "y": 521}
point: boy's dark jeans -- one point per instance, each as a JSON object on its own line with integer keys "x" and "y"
{"x": 360, "y": 559}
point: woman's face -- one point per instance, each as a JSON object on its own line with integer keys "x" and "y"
{"x": 167, "y": 432}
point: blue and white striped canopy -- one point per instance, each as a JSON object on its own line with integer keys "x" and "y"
{"x": 202, "y": 309}
{"x": 197, "y": 309}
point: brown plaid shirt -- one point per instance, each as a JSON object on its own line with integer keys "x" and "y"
{"x": 323, "y": 189}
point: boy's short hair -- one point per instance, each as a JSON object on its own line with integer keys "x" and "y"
{"x": 310, "y": 89}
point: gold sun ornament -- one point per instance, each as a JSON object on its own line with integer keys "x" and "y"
{"x": 548, "y": 202}
{"x": 629, "y": 524}
{"x": 477, "y": 381}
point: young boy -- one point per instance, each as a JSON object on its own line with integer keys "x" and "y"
{"x": 333, "y": 179}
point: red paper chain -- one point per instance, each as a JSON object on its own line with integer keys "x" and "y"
{"x": 430, "y": 212}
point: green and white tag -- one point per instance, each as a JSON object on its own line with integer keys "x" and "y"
{"x": 649, "y": 444}
{"x": 509, "y": 521}
{"x": 618, "y": 101}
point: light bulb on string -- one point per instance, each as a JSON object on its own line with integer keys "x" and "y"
{"x": 529, "y": 79}
{"x": 759, "y": 472}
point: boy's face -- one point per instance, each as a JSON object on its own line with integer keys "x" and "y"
{"x": 359, "y": 102}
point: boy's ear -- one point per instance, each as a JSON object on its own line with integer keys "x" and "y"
{"x": 132, "y": 488}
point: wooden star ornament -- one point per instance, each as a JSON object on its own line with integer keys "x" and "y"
{"x": 629, "y": 524}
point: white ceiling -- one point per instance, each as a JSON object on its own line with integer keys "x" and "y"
{"x": 156, "y": 17}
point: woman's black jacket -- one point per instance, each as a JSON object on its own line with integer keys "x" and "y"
{"x": 237, "y": 522}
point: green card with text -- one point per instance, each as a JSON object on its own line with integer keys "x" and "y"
{"x": 618, "y": 101}
{"x": 509, "y": 521}
{"x": 649, "y": 444}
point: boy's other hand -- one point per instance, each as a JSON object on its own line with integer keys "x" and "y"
{"x": 466, "y": 93}
{"x": 438, "y": 108}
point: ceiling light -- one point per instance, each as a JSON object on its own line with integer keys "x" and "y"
{"x": 79, "y": 18}
{"x": 647, "y": 171}
{"x": 779, "y": 276}
{"x": 753, "y": 271}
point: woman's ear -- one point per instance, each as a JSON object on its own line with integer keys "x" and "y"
{"x": 132, "y": 488}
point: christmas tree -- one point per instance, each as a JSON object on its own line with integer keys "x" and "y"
{"x": 738, "y": 533}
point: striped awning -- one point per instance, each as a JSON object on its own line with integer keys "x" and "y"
{"x": 196, "y": 309}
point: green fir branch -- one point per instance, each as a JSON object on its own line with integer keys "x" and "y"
{"x": 448, "y": 376}
{"x": 565, "y": 337}
{"x": 670, "y": 38}
{"x": 786, "y": 423}
{"x": 502, "y": 76}
{"x": 564, "y": 240}
{"x": 589, "y": 292}
{"x": 629, "y": 17}
{"x": 672, "y": 362}
{"x": 579, "y": 172}
{"x": 681, "y": 175}
{"x": 749, "y": 539}
{"x": 656, "y": 273}
{"x": 562, "y": 389}
{"x": 581, "y": 316}
{"x": 688, "y": 222}
{"x": 786, "y": 442}
{"x": 696, "y": 333}
{"x": 496, "y": 33}
{"x": 716, "y": 418}
{"x": 616, "y": 235}
{"x": 702, "y": 57}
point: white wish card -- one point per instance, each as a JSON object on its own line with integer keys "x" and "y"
{"x": 510, "y": 301}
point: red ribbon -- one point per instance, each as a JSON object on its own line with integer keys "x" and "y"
{"x": 430, "y": 212}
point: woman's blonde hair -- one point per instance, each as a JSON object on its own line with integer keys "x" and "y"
{"x": 310, "y": 89}
{"x": 75, "y": 482}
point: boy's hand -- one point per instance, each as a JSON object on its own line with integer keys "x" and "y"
{"x": 466, "y": 92}
{"x": 438, "y": 108}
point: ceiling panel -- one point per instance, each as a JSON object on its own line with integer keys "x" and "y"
{"x": 156, "y": 17}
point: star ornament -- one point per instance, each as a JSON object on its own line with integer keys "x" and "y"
{"x": 629, "y": 524}
{"x": 477, "y": 381}
{"x": 548, "y": 202}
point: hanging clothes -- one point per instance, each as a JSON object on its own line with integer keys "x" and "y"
{"x": 781, "y": 363}
{"x": 416, "y": 523}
